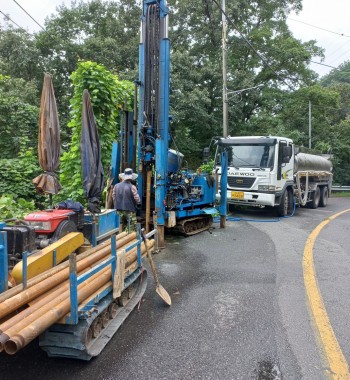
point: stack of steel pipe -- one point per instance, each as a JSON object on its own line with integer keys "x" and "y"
{"x": 47, "y": 296}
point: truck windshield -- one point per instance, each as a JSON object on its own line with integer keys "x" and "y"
{"x": 251, "y": 156}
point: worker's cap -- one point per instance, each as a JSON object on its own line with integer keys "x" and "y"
{"x": 128, "y": 174}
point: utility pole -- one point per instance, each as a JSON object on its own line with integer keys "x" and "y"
{"x": 224, "y": 69}
{"x": 309, "y": 124}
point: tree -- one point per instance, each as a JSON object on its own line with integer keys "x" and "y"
{"x": 18, "y": 117}
{"x": 338, "y": 134}
{"x": 263, "y": 57}
{"x": 275, "y": 60}
{"x": 16, "y": 177}
{"x": 20, "y": 57}
{"x": 99, "y": 31}
{"x": 108, "y": 97}
{"x": 339, "y": 75}
{"x": 341, "y": 152}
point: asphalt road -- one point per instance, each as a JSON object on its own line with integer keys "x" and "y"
{"x": 239, "y": 309}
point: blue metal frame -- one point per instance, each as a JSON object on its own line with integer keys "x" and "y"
{"x": 75, "y": 280}
{"x": 162, "y": 138}
{"x": 131, "y": 140}
{"x": 158, "y": 141}
{"x": 115, "y": 162}
{"x": 24, "y": 269}
{"x": 114, "y": 254}
{"x": 160, "y": 181}
{"x": 223, "y": 184}
{"x": 3, "y": 259}
{"x": 127, "y": 134}
{"x": 105, "y": 225}
{"x": 139, "y": 253}
{"x": 73, "y": 288}
{"x": 141, "y": 106}
{"x": 162, "y": 144}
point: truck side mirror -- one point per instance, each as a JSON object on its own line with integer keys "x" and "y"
{"x": 206, "y": 154}
{"x": 287, "y": 154}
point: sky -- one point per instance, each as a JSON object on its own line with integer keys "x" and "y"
{"x": 326, "y": 21}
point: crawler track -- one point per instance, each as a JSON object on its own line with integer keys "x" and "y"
{"x": 192, "y": 226}
{"x": 88, "y": 338}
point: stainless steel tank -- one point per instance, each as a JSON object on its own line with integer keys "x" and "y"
{"x": 304, "y": 162}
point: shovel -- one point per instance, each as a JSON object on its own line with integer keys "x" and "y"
{"x": 164, "y": 295}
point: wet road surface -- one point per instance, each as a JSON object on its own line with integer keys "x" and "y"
{"x": 239, "y": 307}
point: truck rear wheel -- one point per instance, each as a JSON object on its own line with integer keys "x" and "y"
{"x": 315, "y": 198}
{"x": 324, "y": 196}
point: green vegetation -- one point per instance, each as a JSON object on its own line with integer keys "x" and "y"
{"x": 208, "y": 167}
{"x": 16, "y": 177}
{"x": 18, "y": 116}
{"x": 341, "y": 194}
{"x": 108, "y": 96}
{"x": 94, "y": 45}
{"x": 11, "y": 207}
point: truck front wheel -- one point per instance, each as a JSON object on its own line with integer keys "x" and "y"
{"x": 286, "y": 206}
{"x": 315, "y": 198}
{"x": 324, "y": 196}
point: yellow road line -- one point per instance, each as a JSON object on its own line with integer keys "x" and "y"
{"x": 338, "y": 365}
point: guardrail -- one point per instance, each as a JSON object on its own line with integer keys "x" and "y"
{"x": 337, "y": 189}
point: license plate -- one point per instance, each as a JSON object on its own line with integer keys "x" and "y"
{"x": 237, "y": 195}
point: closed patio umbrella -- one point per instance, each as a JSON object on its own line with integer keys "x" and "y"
{"x": 90, "y": 151}
{"x": 49, "y": 143}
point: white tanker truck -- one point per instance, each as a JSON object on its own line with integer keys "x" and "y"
{"x": 268, "y": 171}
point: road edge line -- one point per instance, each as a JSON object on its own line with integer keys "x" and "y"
{"x": 338, "y": 365}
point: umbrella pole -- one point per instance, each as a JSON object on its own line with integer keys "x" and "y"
{"x": 50, "y": 201}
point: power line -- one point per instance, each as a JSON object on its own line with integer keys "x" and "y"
{"x": 244, "y": 38}
{"x": 337, "y": 49}
{"x": 331, "y": 108}
{"x": 323, "y": 64}
{"x": 8, "y": 18}
{"x": 263, "y": 59}
{"x": 344, "y": 107}
{"x": 329, "y": 31}
{"x": 56, "y": 38}
{"x": 260, "y": 56}
{"x": 332, "y": 67}
{"x": 29, "y": 15}
{"x": 336, "y": 58}
{"x": 317, "y": 27}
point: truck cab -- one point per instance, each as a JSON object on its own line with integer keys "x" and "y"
{"x": 260, "y": 171}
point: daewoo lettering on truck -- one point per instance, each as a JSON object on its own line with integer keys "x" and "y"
{"x": 269, "y": 171}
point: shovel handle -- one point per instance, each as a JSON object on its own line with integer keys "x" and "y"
{"x": 149, "y": 255}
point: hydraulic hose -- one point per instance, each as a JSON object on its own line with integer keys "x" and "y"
{"x": 216, "y": 219}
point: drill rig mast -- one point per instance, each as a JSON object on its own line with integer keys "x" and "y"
{"x": 153, "y": 113}
{"x": 177, "y": 198}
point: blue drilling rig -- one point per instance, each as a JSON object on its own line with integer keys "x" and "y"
{"x": 171, "y": 197}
